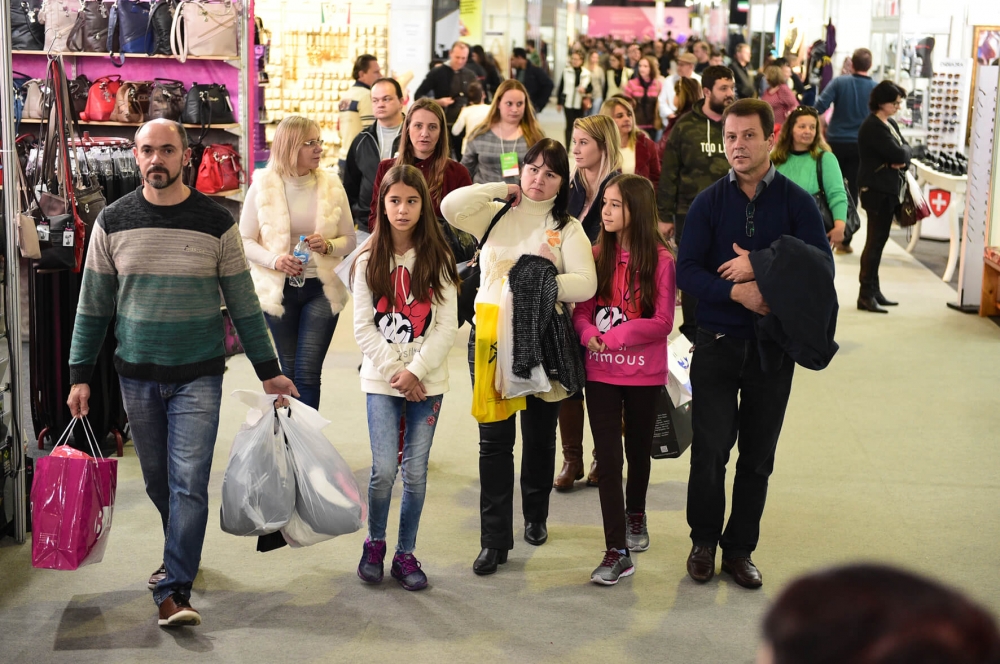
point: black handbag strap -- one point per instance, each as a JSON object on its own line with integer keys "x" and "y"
{"x": 496, "y": 218}
{"x": 819, "y": 177}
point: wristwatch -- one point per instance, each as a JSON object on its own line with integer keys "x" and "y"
{"x": 329, "y": 247}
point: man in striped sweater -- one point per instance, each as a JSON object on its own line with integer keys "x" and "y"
{"x": 160, "y": 256}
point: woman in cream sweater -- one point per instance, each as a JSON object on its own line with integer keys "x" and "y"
{"x": 538, "y": 224}
{"x": 290, "y": 198}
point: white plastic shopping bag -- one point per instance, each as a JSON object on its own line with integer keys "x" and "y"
{"x": 678, "y": 371}
{"x": 343, "y": 271}
{"x": 258, "y": 489}
{"x": 328, "y": 501}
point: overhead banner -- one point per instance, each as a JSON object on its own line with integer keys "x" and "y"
{"x": 470, "y": 17}
{"x": 636, "y": 22}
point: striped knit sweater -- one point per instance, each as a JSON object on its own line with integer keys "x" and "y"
{"x": 160, "y": 269}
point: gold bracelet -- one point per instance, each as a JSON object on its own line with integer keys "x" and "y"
{"x": 329, "y": 247}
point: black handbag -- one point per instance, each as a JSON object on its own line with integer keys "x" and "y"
{"x": 161, "y": 18}
{"x": 79, "y": 90}
{"x": 27, "y": 34}
{"x": 469, "y": 272}
{"x": 90, "y": 32}
{"x": 853, "y": 221}
{"x": 207, "y": 104}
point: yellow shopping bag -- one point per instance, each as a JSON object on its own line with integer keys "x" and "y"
{"x": 487, "y": 404}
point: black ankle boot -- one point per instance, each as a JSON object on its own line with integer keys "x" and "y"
{"x": 884, "y": 301}
{"x": 535, "y": 533}
{"x": 869, "y": 304}
{"x": 488, "y": 560}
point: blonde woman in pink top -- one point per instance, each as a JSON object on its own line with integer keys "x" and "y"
{"x": 624, "y": 328}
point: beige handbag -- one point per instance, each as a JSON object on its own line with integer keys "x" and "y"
{"x": 27, "y": 231}
{"x": 35, "y": 98}
{"x": 59, "y": 17}
{"x": 205, "y": 29}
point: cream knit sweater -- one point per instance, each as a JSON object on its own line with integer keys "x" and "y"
{"x": 526, "y": 229}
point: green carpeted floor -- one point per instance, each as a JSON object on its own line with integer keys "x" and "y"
{"x": 891, "y": 455}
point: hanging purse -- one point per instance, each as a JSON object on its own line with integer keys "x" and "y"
{"x": 36, "y": 99}
{"x": 161, "y": 19}
{"x": 167, "y": 99}
{"x": 220, "y": 169}
{"x": 90, "y": 32}
{"x": 101, "y": 99}
{"x": 127, "y": 29}
{"x": 26, "y": 33}
{"x": 204, "y": 29}
{"x": 27, "y": 231}
{"x": 128, "y": 109}
{"x": 207, "y": 105}
{"x": 59, "y": 17}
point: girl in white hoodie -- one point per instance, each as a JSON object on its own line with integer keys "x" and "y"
{"x": 405, "y": 321}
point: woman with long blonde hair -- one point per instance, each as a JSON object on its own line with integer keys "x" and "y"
{"x": 639, "y": 153}
{"x": 495, "y": 149}
{"x": 291, "y": 198}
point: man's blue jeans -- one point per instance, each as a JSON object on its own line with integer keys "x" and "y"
{"x": 174, "y": 427}
{"x": 302, "y": 336}
{"x": 383, "y": 428}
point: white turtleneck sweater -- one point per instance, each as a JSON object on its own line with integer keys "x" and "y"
{"x": 300, "y": 192}
{"x": 526, "y": 229}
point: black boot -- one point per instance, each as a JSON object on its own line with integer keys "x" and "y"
{"x": 884, "y": 301}
{"x": 535, "y": 533}
{"x": 488, "y": 560}
{"x": 869, "y": 304}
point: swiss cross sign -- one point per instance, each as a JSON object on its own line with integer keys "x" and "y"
{"x": 939, "y": 199}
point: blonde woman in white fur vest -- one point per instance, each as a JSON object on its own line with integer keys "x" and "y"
{"x": 290, "y": 198}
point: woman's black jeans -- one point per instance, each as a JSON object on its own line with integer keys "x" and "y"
{"x": 880, "y": 209}
{"x": 496, "y": 467}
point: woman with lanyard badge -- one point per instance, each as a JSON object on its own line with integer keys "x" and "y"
{"x": 496, "y": 148}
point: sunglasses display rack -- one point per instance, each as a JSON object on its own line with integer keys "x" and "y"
{"x": 312, "y": 53}
{"x": 948, "y": 107}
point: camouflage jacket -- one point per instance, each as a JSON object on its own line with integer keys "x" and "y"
{"x": 693, "y": 159}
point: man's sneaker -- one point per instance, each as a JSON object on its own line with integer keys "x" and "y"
{"x": 158, "y": 575}
{"x": 175, "y": 611}
{"x": 406, "y": 570}
{"x": 613, "y": 567}
{"x": 636, "y": 535}
{"x": 370, "y": 569}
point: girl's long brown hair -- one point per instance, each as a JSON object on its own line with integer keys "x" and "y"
{"x": 435, "y": 264}
{"x": 441, "y": 151}
{"x": 644, "y": 240}
{"x": 530, "y": 128}
{"x": 783, "y": 148}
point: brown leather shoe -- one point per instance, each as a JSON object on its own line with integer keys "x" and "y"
{"x": 592, "y": 475}
{"x": 701, "y": 563}
{"x": 571, "y": 432}
{"x": 743, "y": 571}
{"x": 175, "y": 611}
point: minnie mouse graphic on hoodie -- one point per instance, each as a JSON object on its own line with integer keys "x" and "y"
{"x": 636, "y": 351}
{"x": 412, "y": 331}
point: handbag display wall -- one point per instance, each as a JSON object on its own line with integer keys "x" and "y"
{"x": 27, "y": 33}
{"x": 204, "y": 29}
{"x": 59, "y": 17}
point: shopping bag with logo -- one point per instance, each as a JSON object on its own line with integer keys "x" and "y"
{"x": 258, "y": 489}
{"x": 488, "y": 405}
{"x": 72, "y": 502}
{"x": 672, "y": 433}
{"x": 328, "y": 501}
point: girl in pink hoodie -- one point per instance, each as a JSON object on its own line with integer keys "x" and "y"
{"x": 624, "y": 328}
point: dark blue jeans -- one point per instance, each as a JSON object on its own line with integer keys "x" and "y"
{"x": 174, "y": 427}
{"x": 302, "y": 336}
{"x": 732, "y": 399}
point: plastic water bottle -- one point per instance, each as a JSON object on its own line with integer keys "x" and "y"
{"x": 302, "y": 253}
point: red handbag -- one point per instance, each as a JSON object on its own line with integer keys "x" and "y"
{"x": 101, "y": 99}
{"x": 220, "y": 169}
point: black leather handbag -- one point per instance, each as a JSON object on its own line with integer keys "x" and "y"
{"x": 853, "y": 221}
{"x": 470, "y": 275}
{"x": 167, "y": 99}
{"x": 208, "y": 104}
{"x": 79, "y": 90}
{"x": 27, "y": 34}
{"x": 90, "y": 32}
{"x": 161, "y": 18}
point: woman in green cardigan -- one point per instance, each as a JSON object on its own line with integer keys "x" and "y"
{"x": 800, "y": 145}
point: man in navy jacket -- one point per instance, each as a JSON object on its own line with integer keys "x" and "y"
{"x": 734, "y": 398}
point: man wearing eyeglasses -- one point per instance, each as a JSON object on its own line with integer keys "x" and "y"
{"x": 377, "y": 142}
{"x": 735, "y": 398}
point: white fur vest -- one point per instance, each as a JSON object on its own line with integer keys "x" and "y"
{"x": 275, "y": 227}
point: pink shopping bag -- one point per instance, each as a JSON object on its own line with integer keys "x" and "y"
{"x": 72, "y": 501}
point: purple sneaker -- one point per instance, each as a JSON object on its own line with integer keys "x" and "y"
{"x": 406, "y": 570}
{"x": 370, "y": 568}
